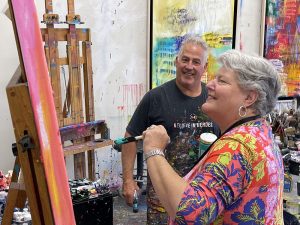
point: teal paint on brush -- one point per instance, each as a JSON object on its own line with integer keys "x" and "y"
{"x": 126, "y": 140}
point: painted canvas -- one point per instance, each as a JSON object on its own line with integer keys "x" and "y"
{"x": 41, "y": 95}
{"x": 172, "y": 20}
{"x": 282, "y": 42}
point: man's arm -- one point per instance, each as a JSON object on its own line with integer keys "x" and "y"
{"x": 128, "y": 156}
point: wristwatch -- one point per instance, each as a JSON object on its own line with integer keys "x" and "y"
{"x": 154, "y": 152}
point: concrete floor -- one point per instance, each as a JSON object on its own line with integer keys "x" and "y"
{"x": 123, "y": 215}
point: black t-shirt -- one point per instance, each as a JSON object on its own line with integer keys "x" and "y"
{"x": 182, "y": 117}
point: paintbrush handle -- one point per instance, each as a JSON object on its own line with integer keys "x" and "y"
{"x": 126, "y": 140}
{"x": 138, "y": 137}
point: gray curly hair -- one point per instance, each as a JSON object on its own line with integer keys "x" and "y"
{"x": 257, "y": 74}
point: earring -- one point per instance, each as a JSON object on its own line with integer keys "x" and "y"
{"x": 242, "y": 108}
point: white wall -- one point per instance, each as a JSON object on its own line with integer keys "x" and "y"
{"x": 119, "y": 54}
{"x": 8, "y": 63}
{"x": 249, "y": 22}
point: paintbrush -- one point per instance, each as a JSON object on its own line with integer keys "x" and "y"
{"x": 121, "y": 141}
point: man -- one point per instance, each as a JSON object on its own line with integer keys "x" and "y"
{"x": 177, "y": 106}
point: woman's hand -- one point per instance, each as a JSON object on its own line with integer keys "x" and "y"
{"x": 168, "y": 185}
{"x": 155, "y": 137}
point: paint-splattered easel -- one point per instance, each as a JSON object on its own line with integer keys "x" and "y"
{"x": 69, "y": 108}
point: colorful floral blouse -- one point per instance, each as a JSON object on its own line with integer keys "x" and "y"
{"x": 239, "y": 181}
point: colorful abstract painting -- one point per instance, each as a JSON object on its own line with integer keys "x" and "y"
{"x": 282, "y": 42}
{"x": 172, "y": 20}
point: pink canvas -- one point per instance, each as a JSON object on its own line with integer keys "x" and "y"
{"x": 40, "y": 90}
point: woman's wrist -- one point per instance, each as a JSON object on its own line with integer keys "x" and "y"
{"x": 154, "y": 152}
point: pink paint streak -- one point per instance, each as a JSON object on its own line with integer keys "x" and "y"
{"x": 44, "y": 110}
{"x": 132, "y": 93}
{"x": 241, "y": 42}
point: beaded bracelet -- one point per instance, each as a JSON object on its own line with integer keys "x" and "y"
{"x": 154, "y": 152}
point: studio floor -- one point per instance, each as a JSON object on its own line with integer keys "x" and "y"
{"x": 123, "y": 214}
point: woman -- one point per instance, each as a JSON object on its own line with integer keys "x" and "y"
{"x": 240, "y": 179}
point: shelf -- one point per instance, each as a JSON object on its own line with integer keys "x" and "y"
{"x": 87, "y": 146}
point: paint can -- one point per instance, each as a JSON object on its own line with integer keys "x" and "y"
{"x": 206, "y": 139}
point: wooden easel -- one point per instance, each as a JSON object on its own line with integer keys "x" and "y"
{"x": 69, "y": 108}
{"x": 28, "y": 158}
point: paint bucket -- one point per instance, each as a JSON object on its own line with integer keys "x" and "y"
{"x": 206, "y": 139}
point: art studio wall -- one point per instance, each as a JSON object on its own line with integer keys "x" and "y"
{"x": 120, "y": 59}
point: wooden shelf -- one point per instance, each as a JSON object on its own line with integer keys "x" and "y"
{"x": 87, "y": 146}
